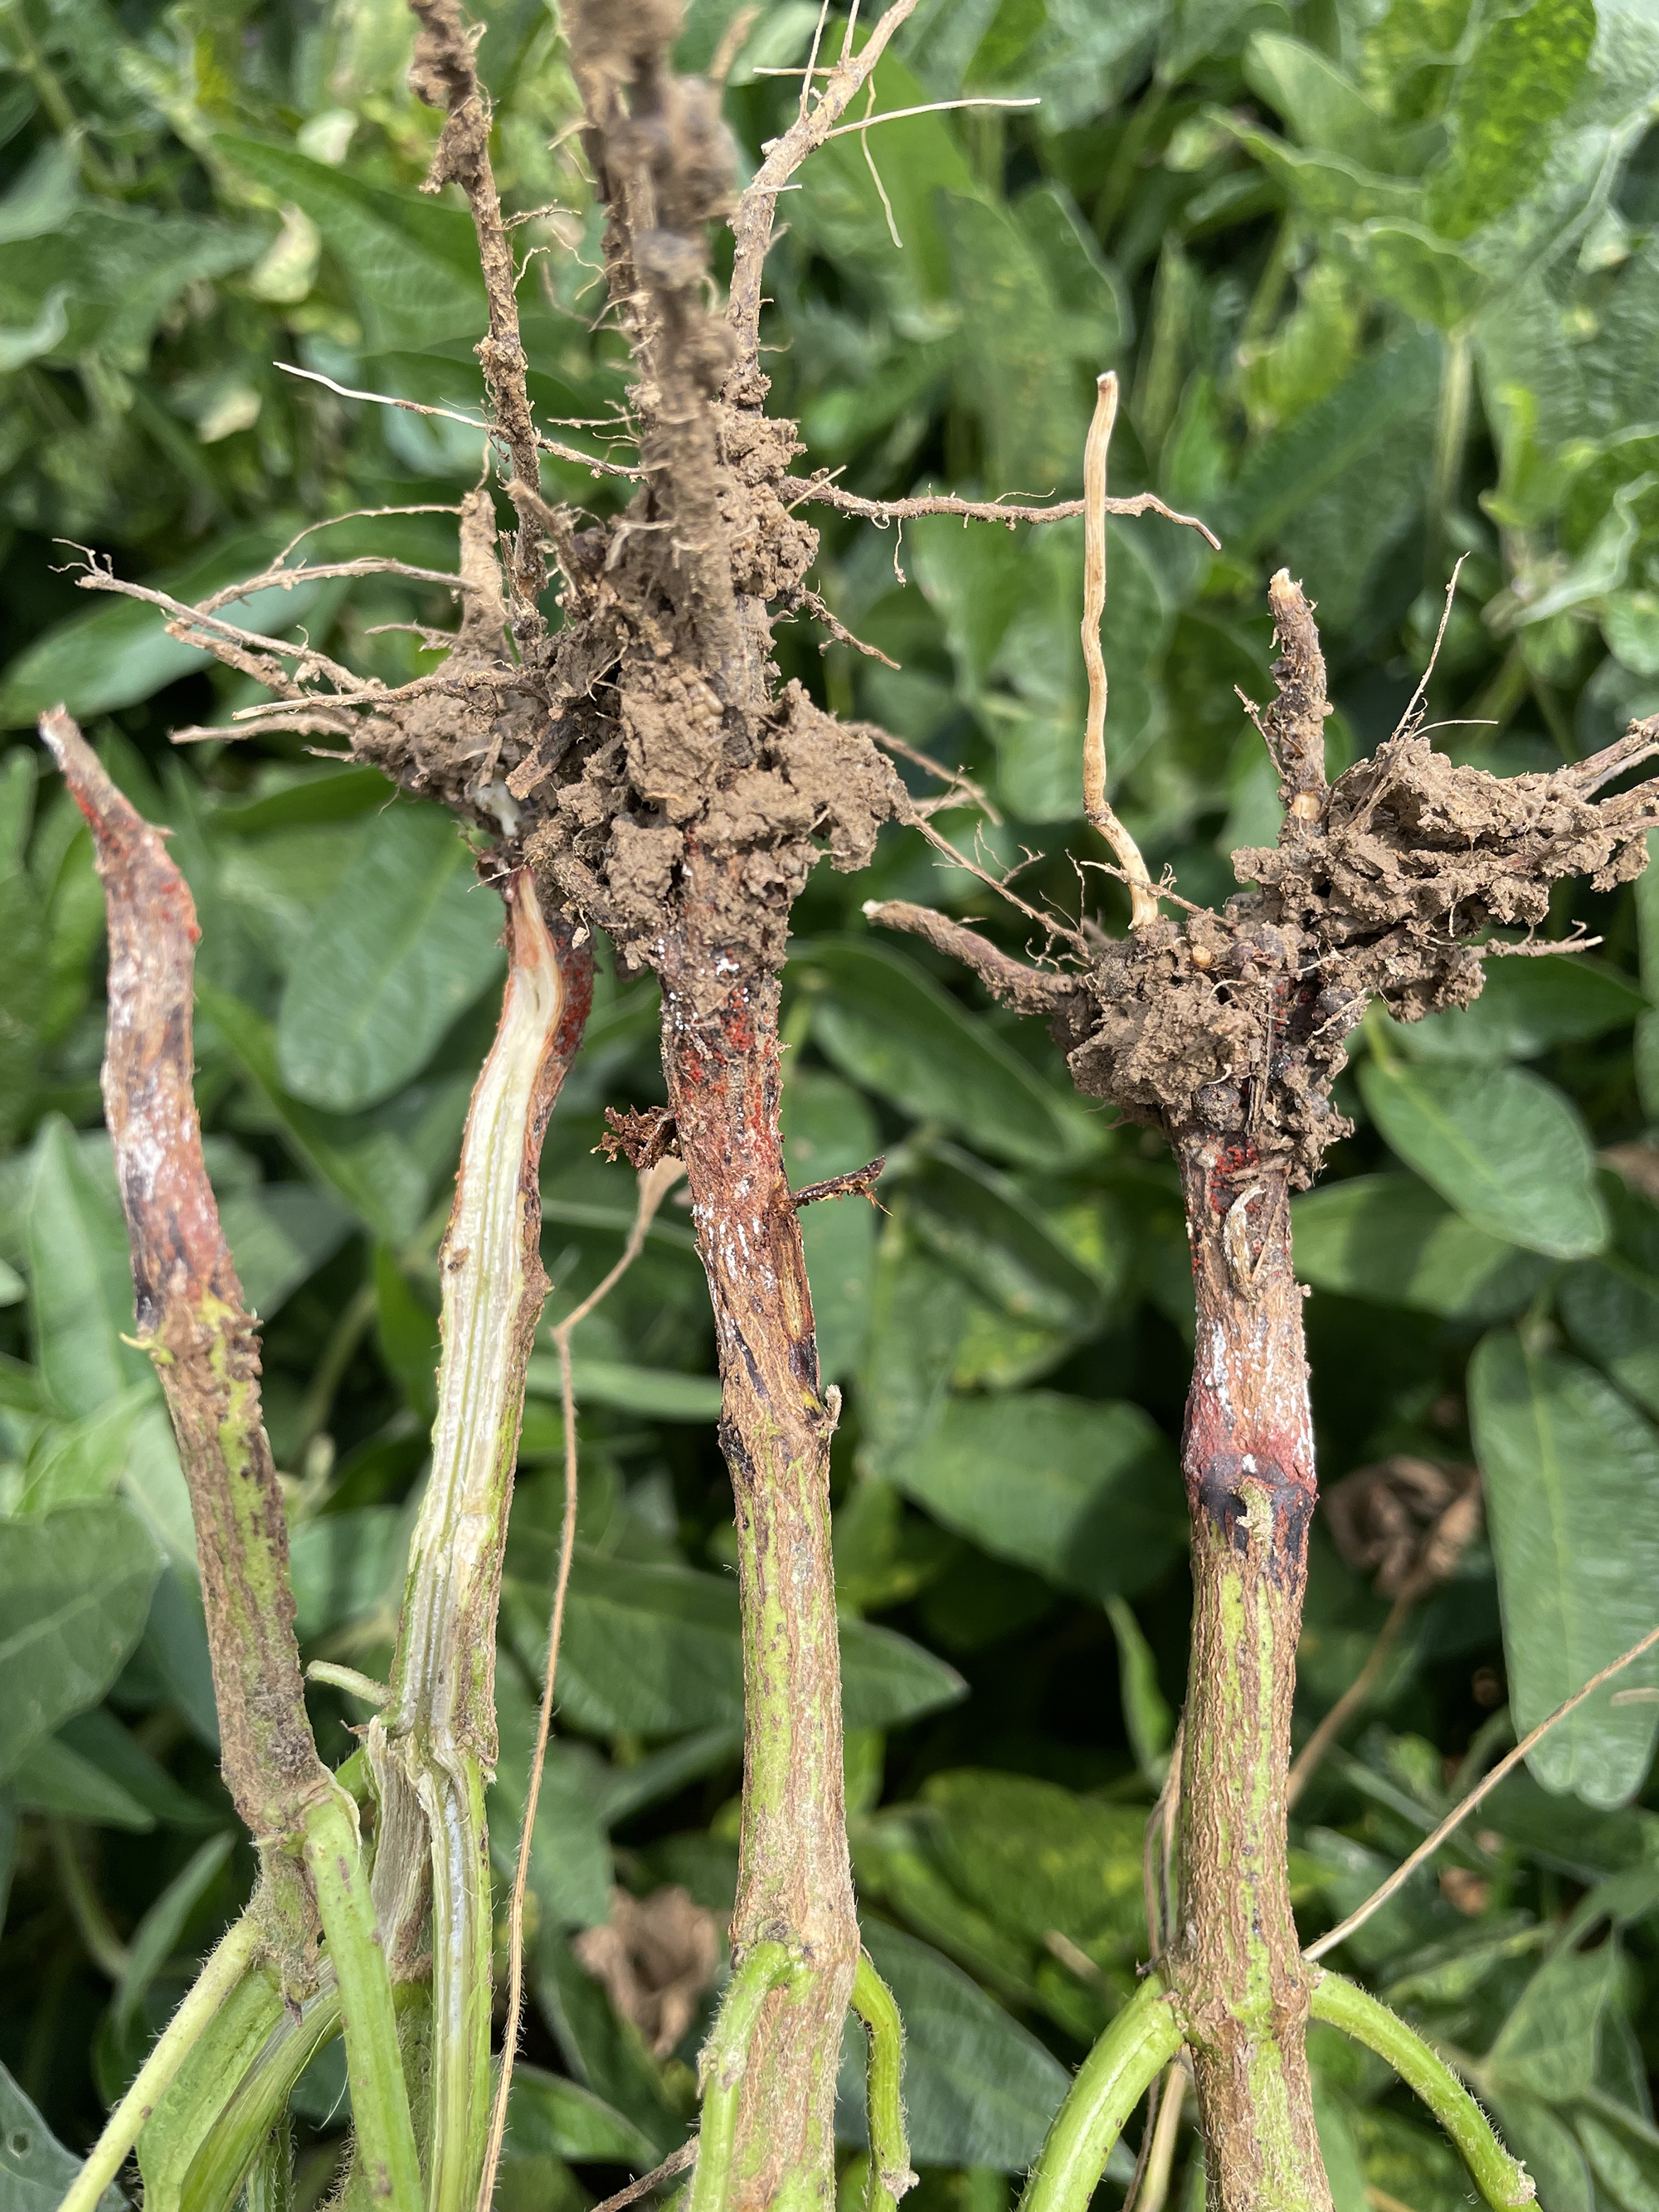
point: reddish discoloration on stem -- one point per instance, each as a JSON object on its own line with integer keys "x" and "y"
{"x": 191, "y": 1315}
{"x": 1249, "y": 1461}
{"x": 720, "y": 1058}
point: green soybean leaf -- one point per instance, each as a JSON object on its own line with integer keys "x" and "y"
{"x": 1502, "y": 1145}
{"x": 1322, "y": 107}
{"x": 370, "y": 1167}
{"x": 100, "y": 1738}
{"x": 979, "y": 2089}
{"x": 1611, "y": 1304}
{"x": 1035, "y": 1857}
{"x": 615, "y": 1792}
{"x": 321, "y": 795}
{"x": 118, "y": 651}
{"x": 887, "y": 1025}
{"x": 345, "y": 1567}
{"x": 1546, "y": 2046}
{"x": 1622, "y": 2145}
{"x": 1388, "y": 1238}
{"x": 1525, "y": 1006}
{"x": 1431, "y": 281}
{"x": 840, "y": 210}
{"x": 1572, "y": 1476}
{"x": 1146, "y": 1714}
{"x": 116, "y": 270}
{"x": 650, "y": 1649}
{"x": 74, "y": 1590}
{"x": 548, "y": 2115}
{"x": 1095, "y": 314}
{"x": 86, "y": 1458}
{"x": 175, "y": 1651}
{"x": 1521, "y": 76}
{"x": 1612, "y": 1312}
{"x": 654, "y": 1393}
{"x": 607, "y": 2054}
{"x": 80, "y": 1276}
{"x": 918, "y": 1313}
{"x": 990, "y": 1230}
{"x": 1081, "y": 1490}
{"x": 406, "y": 944}
{"x": 1380, "y": 399}
{"x": 570, "y": 1867}
{"x": 279, "y": 1235}
{"x": 655, "y": 1650}
{"x": 157, "y": 1935}
{"x": 412, "y": 265}
{"x": 1016, "y": 374}
{"x": 887, "y": 1680}
{"x": 51, "y": 1777}
{"x": 1542, "y": 2138}
{"x": 828, "y": 1130}
{"x": 35, "y": 2168}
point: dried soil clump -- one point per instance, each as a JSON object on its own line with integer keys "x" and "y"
{"x": 652, "y": 728}
{"x": 1234, "y": 1024}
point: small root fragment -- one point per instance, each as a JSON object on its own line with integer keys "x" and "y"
{"x": 860, "y": 1183}
{"x": 641, "y": 1139}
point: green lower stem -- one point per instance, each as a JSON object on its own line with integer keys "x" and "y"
{"x": 224, "y": 1971}
{"x": 890, "y": 2151}
{"x": 1502, "y": 2180}
{"x": 219, "y": 2165}
{"x": 764, "y": 1968}
{"x": 379, "y": 2099}
{"x": 1111, "y": 2082}
{"x": 462, "y": 1987}
{"x": 270, "y": 2178}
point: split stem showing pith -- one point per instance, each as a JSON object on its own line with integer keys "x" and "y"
{"x": 433, "y": 1747}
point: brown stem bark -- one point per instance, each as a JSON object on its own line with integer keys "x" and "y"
{"x": 195, "y": 1325}
{"x": 1235, "y": 1964}
{"x": 794, "y": 1885}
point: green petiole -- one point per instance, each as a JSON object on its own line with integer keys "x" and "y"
{"x": 224, "y": 1970}
{"x": 890, "y": 2151}
{"x": 765, "y": 1967}
{"x": 1111, "y": 2082}
{"x": 1502, "y": 2180}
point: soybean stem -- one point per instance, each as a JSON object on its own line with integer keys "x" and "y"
{"x": 226, "y": 1966}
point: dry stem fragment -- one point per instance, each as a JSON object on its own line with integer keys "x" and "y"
{"x": 1143, "y": 899}
{"x": 860, "y": 1183}
{"x": 1293, "y": 727}
{"x": 656, "y": 1956}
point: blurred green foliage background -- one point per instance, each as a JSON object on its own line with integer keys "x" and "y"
{"x": 1382, "y": 280}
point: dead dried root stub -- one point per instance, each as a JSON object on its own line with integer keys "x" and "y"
{"x": 1227, "y": 1030}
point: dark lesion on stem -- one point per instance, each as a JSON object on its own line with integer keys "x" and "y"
{"x": 193, "y": 1321}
